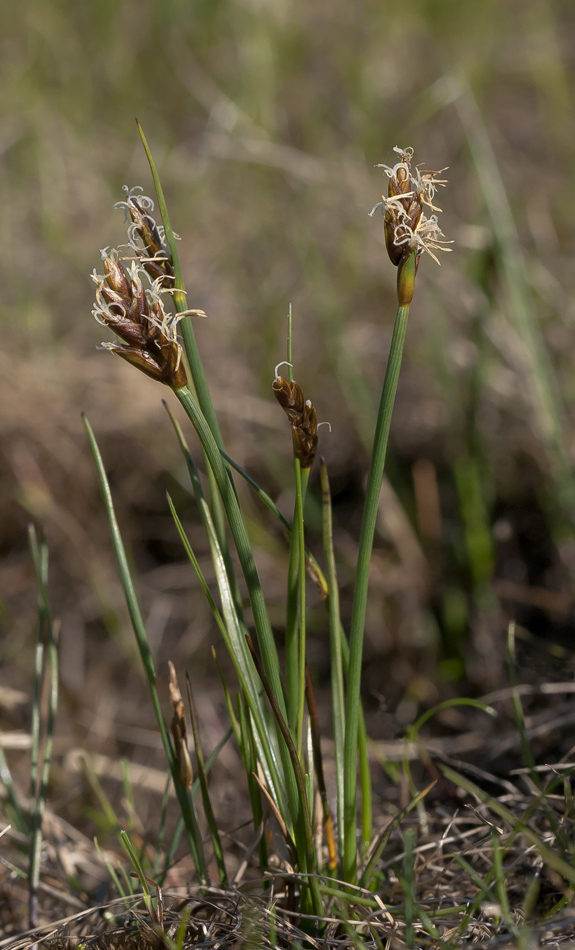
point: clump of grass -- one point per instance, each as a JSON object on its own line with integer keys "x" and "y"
{"x": 326, "y": 879}
{"x": 281, "y": 745}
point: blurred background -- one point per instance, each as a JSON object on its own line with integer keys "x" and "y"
{"x": 266, "y": 118}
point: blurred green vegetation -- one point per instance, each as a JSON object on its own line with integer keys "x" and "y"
{"x": 266, "y": 118}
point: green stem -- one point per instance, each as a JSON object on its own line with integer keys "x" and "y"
{"x": 291, "y": 631}
{"x": 337, "y": 686}
{"x": 301, "y": 480}
{"x": 361, "y": 586}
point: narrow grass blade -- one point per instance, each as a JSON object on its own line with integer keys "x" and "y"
{"x": 128, "y": 847}
{"x": 500, "y": 884}
{"x": 318, "y": 764}
{"x": 178, "y": 943}
{"x": 200, "y": 765}
{"x": 518, "y": 707}
{"x": 337, "y": 687}
{"x": 112, "y": 872}
{"x": 412, "y": 731}
{"x": 39, "y": 777}
{"x": 184, "y": 799}
{"x": 448, "y": 704}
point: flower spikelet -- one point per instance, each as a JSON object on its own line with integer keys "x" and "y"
{"x": 302, "y": 417}
{"x": 408, "y": 231}
{"x": 179, "y": 730}
{"x": 130, "y": 295}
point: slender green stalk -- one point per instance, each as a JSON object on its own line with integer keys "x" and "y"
{"x": 301, "y": 480}
{"x": 337, "y": 688}
{"x": 291, "y": 628}
{"x": 35, "y": 823}
{"x": 43, "y": 668}
{"x": 292, "y": 642}
{"x": 361, "y": 585}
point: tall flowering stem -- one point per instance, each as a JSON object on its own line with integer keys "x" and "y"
{"x": 408, "y": 234}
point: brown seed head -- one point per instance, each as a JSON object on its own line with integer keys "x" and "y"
{"x": 179, "y": 730}
{"x": 305, "y": 436}
{"x": 290, "y": 397}
{"x": 130, "y": 302}
{"x": 137, "y": 316}
{"x": 146, "y": 238}
{"x": 302, "y": 417}
{"x": 406, "y": 227}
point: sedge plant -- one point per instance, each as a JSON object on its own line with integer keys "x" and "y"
{"x": 142, "y": 300}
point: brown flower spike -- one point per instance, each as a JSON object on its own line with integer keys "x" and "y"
{"x": 130, "y": 300}
{"x": 179, "y": 730}
{"x": 302, "y": 417}
{"x": 408, "y": 232}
